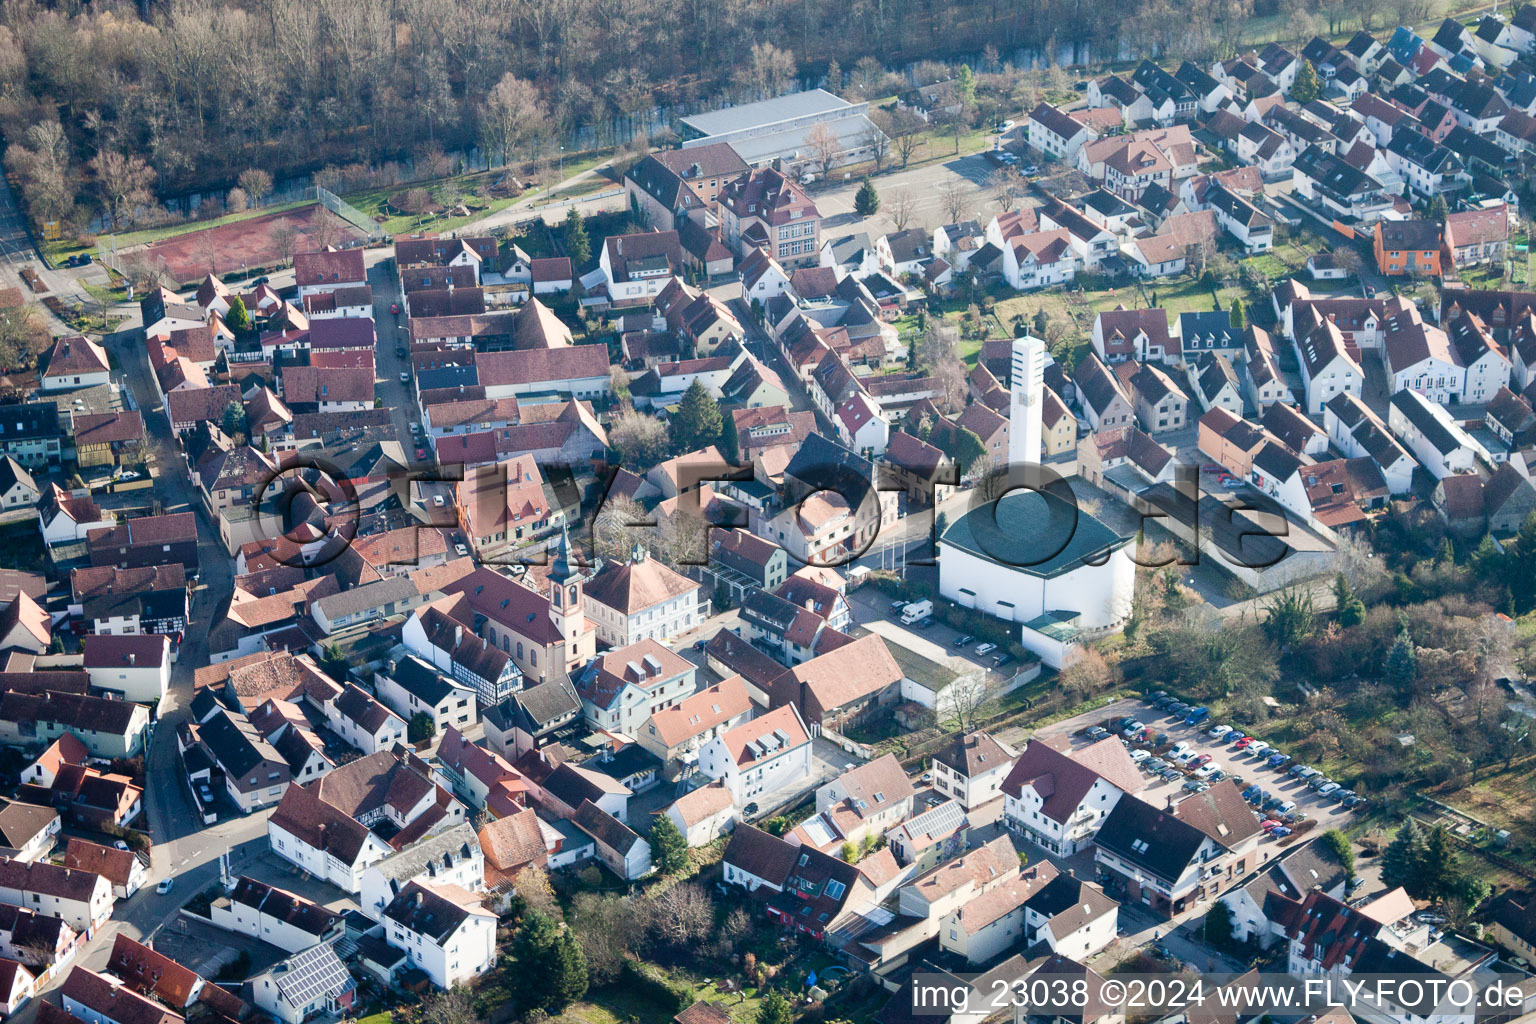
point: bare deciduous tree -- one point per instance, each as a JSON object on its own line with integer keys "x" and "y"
{"x": 824, "y": 147}
{"x": 283, "y": 236}
{"x": 257, "y": 184}
{"x": 900, "y": 206}
{"x": 954, "y": 196}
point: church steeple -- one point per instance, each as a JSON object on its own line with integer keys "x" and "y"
{"x": 565, "y": 580}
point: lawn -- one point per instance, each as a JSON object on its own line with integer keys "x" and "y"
{"x": 614, "y": 1005}
{"x": 473, "y": 190}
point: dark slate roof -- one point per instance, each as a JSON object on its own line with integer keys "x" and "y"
{"x": 1033, "y": 532}
{"x": 1156, "y": 841}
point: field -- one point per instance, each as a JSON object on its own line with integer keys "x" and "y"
{"x": 247, "y": 243}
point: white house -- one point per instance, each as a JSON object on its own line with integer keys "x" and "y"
{"x": 75, "y": 362}
{"x": 137, "y": 668}
{"x": 1427, "y": 430}
{"x": 1054, "y": 134}
{"x": 451, "y": 857}
{"x": 1327, "y": 368}
{"x": 1359, "y": 433}
{"x": 622, "y": 688}
{"x": 971, "y": 769}
{"x": 17, "y": 985}
{"x": 642, "y": 599}
{"x": 309, "y": 983}
{"x": 276, "y": 916}
{"x": 444, "y": 930}
{"x": 1419, "y": 357}
{"x": 704, "y": 814}
{"x": 1057, "y": 797}
{"x": 759, "y": 756}
{"x": 619, "y": 847}
{"x": 409, "y": 687}
{"x": 81, "y": 899}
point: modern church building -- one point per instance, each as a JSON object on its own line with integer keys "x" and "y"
{"x": 1034, "y": 557}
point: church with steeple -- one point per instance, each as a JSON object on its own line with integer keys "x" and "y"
{"x": 547, "y": 635}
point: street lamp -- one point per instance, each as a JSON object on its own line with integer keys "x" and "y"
{"x": 562, "y": 163}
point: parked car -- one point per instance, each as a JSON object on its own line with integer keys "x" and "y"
{"x": 1258, "y": 749}
{"x": 1353, "y": 801}
{"x": 1298, "y": 771}
{"x": 1329, "y": 789}
{"x": 1251, "y": 792}
{"x": 1199, "y": 760}
{"x": 1001, "y": 660}
{"x": 1286, "y": 808}
{"x": 1153, "y": 698}
{"x": 1231, "y": 483}
{"x": 897, "y": 606}
{"x": 925, "y": 622}
{"x": 1164, "y": 703}
{"x": 1097, "y": 733}
{"x": 1278, "y": 760}
{"x": 394, "y": 307}
{"x": 1271, "y": 802}
{"x": 1196, "y": 786}
{"x": 1220, "y": 732}
{"x": 421, "y": 453}
{"x": 1181, "y": 749}
{"x": 165, "y": 884}
{"x": 1280, "y": 831}
{"x": 1318, "y": 781}
{"x": 462, "y": 550}
{"x": 1160, "y": 740}
{"x": 986, "y": 648}
{"x": 1133, "y": 731}
{"x": 1169, "y": 774}
{"x": 1029, "y": 169}
{"x": 1269, "y": 823}
{"x": 1141, "y": 755}
{"x": 401, "y": 353}
{"x": 1197, "y": 716}
{"x": 1155, "y": 765}
{"x": 963, "y": 641}
{"x": 1238, "y": 740}
{"x": 405, "y": 378}
{"x": 1207, "y": 772}
{"x": 1217, "y": 775}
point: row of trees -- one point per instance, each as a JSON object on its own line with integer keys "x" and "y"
{"x": 154, "y": 100}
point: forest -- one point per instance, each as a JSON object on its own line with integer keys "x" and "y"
{"x": 112, "y": 106}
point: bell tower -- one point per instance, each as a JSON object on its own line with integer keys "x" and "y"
{"x": 565, "y": 581}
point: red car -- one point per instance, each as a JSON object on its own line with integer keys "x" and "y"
{"x": 421, "y": 453}
{"x": 1243, "y": 743}
{"x": 1200, "y": 761}
{"x": 394, "y": 307}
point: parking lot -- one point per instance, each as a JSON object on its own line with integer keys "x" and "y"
{"x": 872, "y": 610}
{"x": 1321, "y": 812}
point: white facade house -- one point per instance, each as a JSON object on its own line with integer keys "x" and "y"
{"x": 759, "y": 756}
{"x": 623, "y": 688}
{"x": 137, "y": 668}
{"x": 643, "y": 600}
{"x": 310, "y": 982}
{"x": 452, "y": 857}
{"x": 1359, "y": 433}
{"x": 81, "y": 899}
{"x": 409, "y": 687}
{"x": 445, "y": 932}
{"x": 1427, "y": 430}
{"x": 971, "y": 769}
{"x": 1058, "y": 798}
{"x": 275, "y": 916}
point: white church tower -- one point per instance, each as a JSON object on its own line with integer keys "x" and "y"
{"x": 1027, "y": 380}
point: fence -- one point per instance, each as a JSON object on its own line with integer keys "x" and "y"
{"x": 349, "y": 213}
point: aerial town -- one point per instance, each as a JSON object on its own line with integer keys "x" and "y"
{"x": 826, "y": 543}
